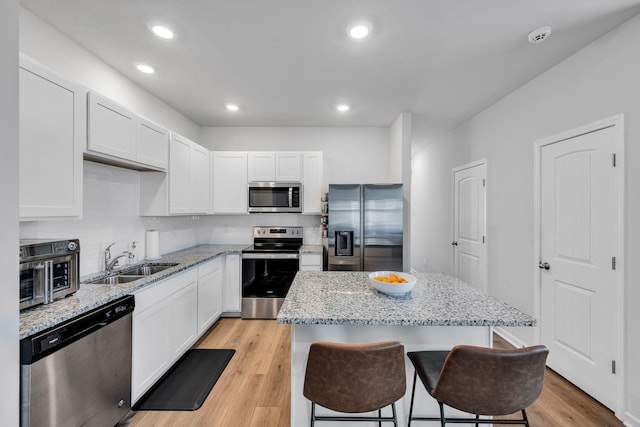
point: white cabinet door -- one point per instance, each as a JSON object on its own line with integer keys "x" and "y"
{"x": 150, "y": 346}
{"x": 288, "y": 167}
{"x": 112, "y": 129}
{"x": 179, "y": 163}
{"x": 52, "y": 134}
{"x": 152, "y": 144}
{"x": 210, "y": 281}
{"x": 232, "y": 283}
{"x": 262, "y": 166}
{"x": 310, "y": 262}
{"x": 229, "y": 182}
{"x": 312, "y": 182}
{"x": 199, "y": 178}
{"x": 184, "y": 319}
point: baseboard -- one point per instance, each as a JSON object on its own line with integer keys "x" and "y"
{"x": 631, "y": 420}
{"x": 511, "y": 339}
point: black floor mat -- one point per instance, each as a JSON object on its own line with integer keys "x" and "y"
{"x": 188, "y": 383}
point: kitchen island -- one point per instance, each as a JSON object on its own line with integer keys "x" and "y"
{"x": 437, "y": 314}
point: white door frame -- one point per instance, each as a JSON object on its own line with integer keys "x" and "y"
{"x": 619, "y": 149}
{"x": 482, "y": 161}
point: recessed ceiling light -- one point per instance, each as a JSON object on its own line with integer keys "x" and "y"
{"x": 343, "y": 108}
{"x": 232, "y": 107}
{"x": 144, "y": 68}
{"x": 162, "y": 31}
{"x": 359, "y": 30}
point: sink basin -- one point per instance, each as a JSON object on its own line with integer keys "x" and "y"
{"x": 114, "y": 280}
{"x": 146, "y": 269}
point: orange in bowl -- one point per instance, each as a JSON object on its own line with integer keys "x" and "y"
{"x": 392, "y": 282}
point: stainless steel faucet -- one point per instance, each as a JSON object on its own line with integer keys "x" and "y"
{"x": 109, "y": 263}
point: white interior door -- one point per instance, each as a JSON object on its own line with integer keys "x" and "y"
{"x": 579, "y": 238}
{"x": 469, "y": 249}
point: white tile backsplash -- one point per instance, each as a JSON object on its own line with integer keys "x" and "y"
{"x": 111, "y": 213}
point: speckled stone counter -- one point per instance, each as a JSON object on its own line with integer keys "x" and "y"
{"x": 439, "y": 313}
{"x": 346, "y": 298}
{"x": 91, "y": 296}
{"x": 311, "y": 249}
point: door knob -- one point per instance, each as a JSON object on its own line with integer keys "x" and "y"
{"x": 454, "y": 243}
{"x": 544, "y": 265}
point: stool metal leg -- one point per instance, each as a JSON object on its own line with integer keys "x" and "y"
{"x": 380, "y": 416}
{"x": 395, "y": 417}
{"x": 313, "y": 413}
{"x": 442, "y": 422}
{"x": 413, "y": 395}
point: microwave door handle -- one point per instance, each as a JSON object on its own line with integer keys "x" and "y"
{"x": 290, "y": 197}
{"x": 48, "y": 281}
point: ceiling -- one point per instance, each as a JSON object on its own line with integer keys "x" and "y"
{"x": 289, "y": 62}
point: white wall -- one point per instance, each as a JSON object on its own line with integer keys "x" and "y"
{"x": 69, "y": 60}
{"x": 400, "y": 136}
{"x": 431, "y": 196}
{"x": 9, "y": 362}
{"x": 600, "y": 81}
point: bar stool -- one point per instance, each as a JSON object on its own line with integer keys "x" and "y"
{"x": 480, "y": 381}
{"x": 355, "y": 378}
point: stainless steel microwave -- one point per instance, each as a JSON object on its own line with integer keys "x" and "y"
{"x": 49, "y": 270}
{"x": 275, "y": 197}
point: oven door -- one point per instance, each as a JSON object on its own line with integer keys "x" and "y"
{"x": 266, "y": 279}
{"x": 34, "y": 283}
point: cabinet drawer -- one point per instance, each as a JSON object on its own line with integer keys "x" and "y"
{"x": 153, "y": 294}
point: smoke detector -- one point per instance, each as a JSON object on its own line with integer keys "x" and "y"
{"x": 539, "y": 34}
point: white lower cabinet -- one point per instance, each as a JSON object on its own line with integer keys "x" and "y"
{"x": 232, "y": 284}
{"x": 210, "y": 281}
{"x": 164, "y": 327}
{"x": 310, "y": 262}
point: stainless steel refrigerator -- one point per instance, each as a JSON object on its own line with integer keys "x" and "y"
{"x": 365, "y": 227}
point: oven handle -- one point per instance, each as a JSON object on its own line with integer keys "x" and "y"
{"x": 48, "y": 281}
{"x": 269, "y": 256}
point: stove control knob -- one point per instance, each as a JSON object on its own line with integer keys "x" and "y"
{"x": 72, "y": 246}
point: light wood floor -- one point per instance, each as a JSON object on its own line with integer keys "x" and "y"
{"x": 254, "y": 389}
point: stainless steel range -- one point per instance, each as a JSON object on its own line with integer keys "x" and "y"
{"x": 268, "y": 268}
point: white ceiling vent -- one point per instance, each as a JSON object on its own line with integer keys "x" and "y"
{"x": 539, "y": 34}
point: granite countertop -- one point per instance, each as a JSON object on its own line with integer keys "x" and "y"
{"x": 311, "y": 249}
{"x": 346, "y": 298}
{"x": 91, "y": 296}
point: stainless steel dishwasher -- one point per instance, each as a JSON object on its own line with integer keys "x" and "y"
{"x": 79, "y": 372}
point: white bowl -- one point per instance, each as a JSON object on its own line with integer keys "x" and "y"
{"x": 393, "y": 289}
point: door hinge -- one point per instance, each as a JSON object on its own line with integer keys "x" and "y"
{"x": 482, "y": 239}
{"x": 613, "y": 366}
{"x": 484, "y": 182}
{"x": 613, "y": 263}
{"x": 614, "y": 160}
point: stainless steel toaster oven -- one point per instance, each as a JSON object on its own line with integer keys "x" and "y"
{"x": 49, "y": 270}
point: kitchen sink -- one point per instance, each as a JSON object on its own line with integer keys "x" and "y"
{"x": 114, "y": 280}
{"x": 134, "y": 273}
{"x": 146, "y": 269}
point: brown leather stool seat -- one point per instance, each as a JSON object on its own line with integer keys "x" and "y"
{"x": 355, "y": 378}
{"x": 481, "y": 381}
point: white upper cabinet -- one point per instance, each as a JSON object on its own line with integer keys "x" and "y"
{"x": 312, "y": 182}
{"x": 283, "y": 166}
{"x": 112, "y": 129}
{"x": 262, "y": 166}
{"x": 52, "y": 134}
{"x": 229, "y": 182}
{"x": 118, "y": 136}
{"x": 184, "y": 189}
{"x": 199, "y": 181}
{"x": 153, "y": 144}
{"x": 288, "y": 167}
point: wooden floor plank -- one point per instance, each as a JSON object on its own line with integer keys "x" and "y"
{"x": 254, "y": 389}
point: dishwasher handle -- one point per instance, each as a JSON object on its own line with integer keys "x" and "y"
{"x": 42, "y": 344}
